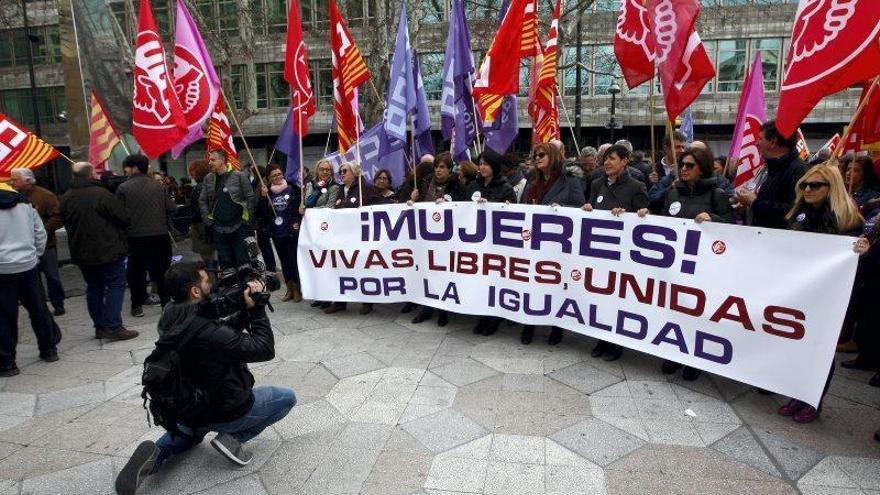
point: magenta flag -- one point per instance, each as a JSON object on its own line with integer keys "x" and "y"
{"x": 195, "y": 80}
{"x": 752, "y": 113}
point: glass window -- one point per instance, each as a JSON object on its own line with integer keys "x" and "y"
{"x": 6, "y": 52}
{"x": 276, "y": 16}
{"x": 770, "y": 58}
{"x": 432, "y": 10}
{"x": 322, "y": 80}
{"x": 228, "y": 16}
{"x": 272, "y": 89}
{"x": 237, "y": 84}
{"x": 569, "y": 55}
{"x": 524, "y": 71}
{"x": 358, "y": 11}
{"x": 483, "y": 9}
{"x": 731, "y": 64}
{"x": 607, "y": 5}
{"x": 53, "y": 41}
{"x": 711, "y": 47}
{"x": 20, "y": 47}
{"x": 118, "y": 9}
{"x": 432, "y": 74}
{"x": 604, "y": 63}
{"x": 306, "y": 11}
{"x": 17, "y": 104}
{"x": 162, "y": 14}
{"x": 11, "y": 104}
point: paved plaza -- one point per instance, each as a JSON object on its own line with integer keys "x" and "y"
{"x": 386, "y": 407}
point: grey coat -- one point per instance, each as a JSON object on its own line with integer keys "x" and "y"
{"x": 326, "y": 198}
{"x": 240, "y": 190}
{"x": 626, "y": 193}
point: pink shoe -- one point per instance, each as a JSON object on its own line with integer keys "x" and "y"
{"x": 806, "y": 415}
{"x": 791, "y": 408}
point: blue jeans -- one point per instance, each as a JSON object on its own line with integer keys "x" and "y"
{"x": 49, "y": 268}
{"x": 105, "y": 290}
{"x": 271, "y": 404}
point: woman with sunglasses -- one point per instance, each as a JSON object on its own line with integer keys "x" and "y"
{"x": 490, "y": 186}
{"x": 617, "y": 192}
{"x": 695, "y": 194}
{"x": 284, "y": 227}
{"x": 321, "y": 192}
{"x": 552, "y": 185}
{"x": 350, "y": 197}
{"x": 823, "y": 206}
{"x": 438, "y": 187}
{"x": 382, "y": 181}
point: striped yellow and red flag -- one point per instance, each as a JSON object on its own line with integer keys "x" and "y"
{"x": 19, "y": 148}
{"x": 102, "y": 135}
{"x": 542, "y": 98}
{"x": 349, "y": 72}
{"x": 220, "y": 134}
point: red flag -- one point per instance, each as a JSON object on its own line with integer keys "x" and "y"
{"x": 542, "y": 95}
{"x": 680, "y": 55}
{"x": 21, "y": 149}
{"x": 634, "y": 43}
{"x": 102, "y": 135}
{"x": 802, "y": 148}
{"x": 832, "y": 143}
{"x": 296, "y": 70}
{"x": 349, "y": 72}
{"x": 864, "y": 132}
{"x": 833, "y": 46}
{"x": 499, "y": 73}
{"x": 157, "y": 120}
{"x": 220, "y": 135}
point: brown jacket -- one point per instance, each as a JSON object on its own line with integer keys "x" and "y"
{"x": 49, "y": 208}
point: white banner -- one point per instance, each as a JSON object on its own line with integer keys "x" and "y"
{"x": 760, "y": 306}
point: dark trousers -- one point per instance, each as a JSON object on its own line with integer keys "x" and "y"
{"x": 231, "y": 248}
{"x": 286, "y": 247}
{"x": 105, "y": 290}
{"x": 867, "y": 335}
{"x": 24, "y": 287}
{"x": 151, "y": 254}
{"x": 264, "y": 241}
{"x": 49, "y": 267}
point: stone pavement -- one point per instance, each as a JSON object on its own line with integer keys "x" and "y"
{"x": 390, "y": 408}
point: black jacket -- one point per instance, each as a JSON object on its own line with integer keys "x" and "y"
{"x": 566, "y": 191}
{"x": 497, "y": 191}
{"x": 95, "y": 221}
{"x": 352, "y": 199}
{"x": 148, "y": 205}
{"x": 626, "y": 193}
{"x": 453, "y": 189}
{"x": 705, "y": 196}
{"x": 215, "y": 359}
{"x": 776, "y": 194}
{"x": 818, "y": 220}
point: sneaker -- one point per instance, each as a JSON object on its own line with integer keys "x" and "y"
{"x": 6, "y": 372}
{"x": 137, "y": 311}
{"x": 59, "y": 311}
{"x": 140, "y": 465}
{"x": 232, "y": 449}
{"x": 50, "y": 358}
{"x": 120, "y": 333}
{"x": 152, "y": 300}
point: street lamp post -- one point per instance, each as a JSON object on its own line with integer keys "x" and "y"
{"x": 614, "y": 90}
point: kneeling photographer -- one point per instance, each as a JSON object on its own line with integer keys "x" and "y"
{"x": 197, "y": 380}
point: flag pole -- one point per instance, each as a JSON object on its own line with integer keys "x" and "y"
{"x": 839, "y": 148}
{"x": 357, "y": 152}
{"x": 651, "y": 120}
{"x": 64, "y": 156}
{"x": 246, "y": 147}
{"x": 302, "y": 183}
{"x": 670, "y": 125}
{"x": 568, "y": 118}
{"x": 412, "y": 124}
{"x": 477, "y": 126}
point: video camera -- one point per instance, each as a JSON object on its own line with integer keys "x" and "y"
{"x": 226, "y": 305}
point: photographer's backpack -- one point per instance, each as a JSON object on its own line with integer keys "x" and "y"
{"x": 171, "y": 396}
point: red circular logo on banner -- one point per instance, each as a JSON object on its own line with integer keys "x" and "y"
{"x": 324, "y": 226}
{"x": 576, "y": 275}
{"x": 436, "y": 216}
{"x": 526, "y": 234}
{"x": 191, "y": 85}
{"x": 718, "y": 247}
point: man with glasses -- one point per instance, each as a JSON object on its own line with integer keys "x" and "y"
{"x": 775, "y": 195}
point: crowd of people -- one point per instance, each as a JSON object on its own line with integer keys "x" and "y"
{"x": 119, "y": 232}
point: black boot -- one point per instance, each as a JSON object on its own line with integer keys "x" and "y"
{"x": 614, "y": 352}
{"x": 601, "y": 348}
{"x": 555, "y": 336}
{"x": 670, "y": 367}
{"x": 528, "y": 332}
{"x": 491, "y": 326}
{"x": 408, "y": 307}
{"x": 690, "y": 374}
{"x": 424, "y": 314}
{"x": 481, "y": 324}
{"x": 442, "y": 318}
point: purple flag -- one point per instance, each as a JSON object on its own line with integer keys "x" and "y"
{"x": 456, "y": 103}
{"x": 422, "y": 118}
{"x": 195, "y": 81}
{"x": 401, "y": 98}
{"x": 377, "y": 150}
{"x": 288, "y": 143}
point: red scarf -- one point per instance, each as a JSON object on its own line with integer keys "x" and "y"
{"x": 540, "y": 187}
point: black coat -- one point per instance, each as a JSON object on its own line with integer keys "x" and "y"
{"x": 95, "y": 221}
{"x": 215, "y": 359}
{"x": 497, "y": 191}
{"x": 454, "y": 190}
{"x": 566, "y": 191}
{"x": 705, "y": 196}
{"x": 352, "y": 199}
{"x": 626, "y": 193}
{"x": 776, "y": 194}
{"x": 818, "y": 220}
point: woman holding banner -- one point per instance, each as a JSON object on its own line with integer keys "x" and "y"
{"x": 321, "y": 193}
{"x": 618, "y": 192}
{"x": 823, "y": 206}
{"x": 284, "y": 227}
{"x": 550, "y": 184}
{"x": 490, "y": 186}
{"x": 382, "y": 181}
{"x": 438, "y": 187}
{"x": 354, "y": 192}
{"x": 695, "y": 194}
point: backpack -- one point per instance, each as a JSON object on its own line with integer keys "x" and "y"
{"x": 171, "y": 396}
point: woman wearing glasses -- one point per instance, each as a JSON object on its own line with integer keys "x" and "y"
{"x": 382, "y": 181}
{"x": 321, "y": 192}
{"x": 821, "y": 205}
{"x": 617, "y": 192}
{"x": 284, "y": 227}
{"x": 349, "y": 196}
{"x": 695, "y": 194}
{"x": 550, "y": 184}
